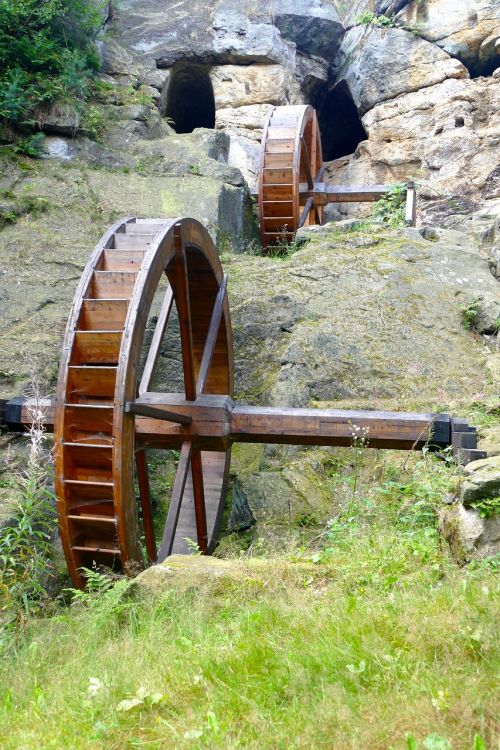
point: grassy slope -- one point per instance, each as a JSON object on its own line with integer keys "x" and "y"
{"x": 382, "y": 636}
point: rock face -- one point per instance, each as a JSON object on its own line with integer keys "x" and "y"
{"x": 422, "y": 115}
{"x": 380, "y": 64}
{"x": 468, "y": 30}
{"x": 448, "y": 132}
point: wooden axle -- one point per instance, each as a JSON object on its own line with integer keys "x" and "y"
{"x": 213, "y": 423}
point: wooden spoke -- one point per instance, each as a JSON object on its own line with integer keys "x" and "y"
{"x": 199, "y": 500}
{"x": 147, "y": 510}
{"x": 143, "y": 410}
{"x": 305, "y": 213}
{"x": 184, "y": 312}
{"x": 154, "y": 350}
{"x": 176, "y": 502}
{"x": 211, "y": 340}
{"x": 306, "y": 164}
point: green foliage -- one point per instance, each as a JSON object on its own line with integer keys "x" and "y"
{"x": 367, "y": 17}
{"x": 47, "y": 51}
{"x": 195, "y": 169}
{"x": 93, "y": 121}
{"x": 25, "y": 548}
{"x": 30, "y": 146}
{"x": 390, "y": 210}
{"x": 487, "y": 506}
{"x": 470, "y": 311}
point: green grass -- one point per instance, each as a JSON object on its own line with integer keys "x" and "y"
{"x": 386, "y": 638}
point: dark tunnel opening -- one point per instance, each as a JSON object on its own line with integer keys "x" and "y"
{"x": 339, "y": 121}
{"x": 190, "y": 100}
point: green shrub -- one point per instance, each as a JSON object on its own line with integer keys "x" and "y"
{"x": 367, "y": 17}
{"x": 390, "y": 210}
{"x": 470, "y": 311}
{"x": 30, "y": 146}
{"x": 47, "y": 51}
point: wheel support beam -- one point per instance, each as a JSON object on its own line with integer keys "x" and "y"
{"x": 213, "y": 423}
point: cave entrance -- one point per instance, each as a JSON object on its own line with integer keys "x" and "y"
{"x": 339, "y": 121}
{"x": 190, "y": 99}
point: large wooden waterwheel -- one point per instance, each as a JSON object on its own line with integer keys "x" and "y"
{"x": 95, "y": 433}
{"x": 291, "y": 158}
{"x": 106, "y": 414}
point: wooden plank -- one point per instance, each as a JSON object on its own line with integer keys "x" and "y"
{"x": 277, "y": 176}
{"x": 280, "y": 146}
{"x": 277, "y": 208}
{"x": 333, "y": 427}
{"x": 212, "y": 336}
{"x": 154, "y": 349}
{"x": 135, "y": 241}
{"x": 278, "y": 160}
{"x": 277, "y": 192}
{"x": 305, "y": 213}
{"x": 90, "y": 382}
{"x": 344, "y": 193}
{"x": 96, "y": 348}
{"x": 103, "y": 314}
{"x": 144, "y": 410}
{"x": 280, "y": 133}
{"x": 215, "y": 477}
{"x": 122, "y": 260}
{"x": 113, "y": 284}
{"x": 306, "y": 163}
{"x": 181, "y": 476}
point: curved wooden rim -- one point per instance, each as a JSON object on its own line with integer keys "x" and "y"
{"x": 96, "y": 499}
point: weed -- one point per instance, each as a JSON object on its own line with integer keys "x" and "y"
{"x": 390, "y": 210}
{"x": 47, "y": 52}
{"x": 93, "y": 122}
{"x": 368, "y": 17}
{"x": 30, "y": 146}
{"x": 487, "y": 506}
{"x": 284, "y": 246}
{"x": 470, "y": 312}
{"x": 195, "y": 169}
{"x": 25, "y": 543}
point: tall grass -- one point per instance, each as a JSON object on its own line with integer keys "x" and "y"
{"x": 375, "y": 649}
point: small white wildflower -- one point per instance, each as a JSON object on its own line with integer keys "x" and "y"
{"x": 95, "y": 685}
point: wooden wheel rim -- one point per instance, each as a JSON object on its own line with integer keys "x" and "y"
{"x": 107, "y": 452}
{"x": 291, "y": 157}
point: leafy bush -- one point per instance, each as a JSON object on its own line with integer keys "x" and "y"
{"x": 470, "y": 311}
{"x": 47, "y": 51}
{"x": 390, "y": 210}
{"x": 367, "y": 17}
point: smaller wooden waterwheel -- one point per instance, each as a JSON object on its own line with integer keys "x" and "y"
{"x": 292, "y": 163}
{"x": 98, "y": 448}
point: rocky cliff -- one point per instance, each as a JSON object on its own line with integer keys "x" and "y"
{"x": 359, "y": 316}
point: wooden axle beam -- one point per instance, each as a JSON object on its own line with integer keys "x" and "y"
{"x": 213, "y": 423}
